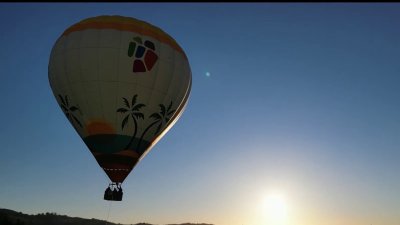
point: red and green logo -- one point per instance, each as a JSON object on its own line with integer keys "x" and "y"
{"x": 144, "y": 56}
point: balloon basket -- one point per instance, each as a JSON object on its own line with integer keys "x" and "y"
{"x": 113, "y": 192}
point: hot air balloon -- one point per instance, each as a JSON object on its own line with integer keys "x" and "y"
{"x": 122, "y": 83}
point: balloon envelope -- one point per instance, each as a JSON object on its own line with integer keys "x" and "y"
{"x": 122, "y": 83}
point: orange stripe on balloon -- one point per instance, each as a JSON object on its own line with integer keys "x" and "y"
{"x": 134, "y": 27}
{"x": 99, "y": 127}
{"x": 129, "y": 153}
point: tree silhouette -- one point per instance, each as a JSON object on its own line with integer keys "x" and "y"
{"x": 133, "y": 110}
{"x": 161, "y": 118}
{"x": 68, "y": 110}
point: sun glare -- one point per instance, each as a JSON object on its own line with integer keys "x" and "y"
{"x": 275, "y": 209}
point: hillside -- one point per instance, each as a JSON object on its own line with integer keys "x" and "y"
{"x": 10, "y": 217}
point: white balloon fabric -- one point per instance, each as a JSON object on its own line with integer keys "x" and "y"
{"x": 122, "y": 83}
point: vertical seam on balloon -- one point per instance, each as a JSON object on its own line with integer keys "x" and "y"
{"x": 80, "y": 79}
{"x": 117, "y": 75}
{"x": 100, "y": 92}
{"x": 142, "y": 27}
{"x": 173, "y": 74}
{"x": 156, "y": 73}
{"x": 84, "y": 83}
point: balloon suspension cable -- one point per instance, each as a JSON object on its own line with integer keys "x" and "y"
{"x": 109, "y": 209}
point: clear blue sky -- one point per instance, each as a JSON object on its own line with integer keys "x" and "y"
{"x": 301, "y": 99}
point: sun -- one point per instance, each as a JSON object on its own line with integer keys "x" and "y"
{"x": 275, "y": 209}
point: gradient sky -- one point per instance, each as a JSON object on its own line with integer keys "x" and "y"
{"x": 299, "y": 99}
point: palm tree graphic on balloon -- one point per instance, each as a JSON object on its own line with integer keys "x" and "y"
{"x": 69, "y": 110}
{"x": 161, "y": 118}
{"x": 133, "y": 111}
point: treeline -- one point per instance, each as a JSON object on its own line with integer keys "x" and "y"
{"x": 6, "y": 220}
{"x": 10, "y": 217}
